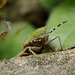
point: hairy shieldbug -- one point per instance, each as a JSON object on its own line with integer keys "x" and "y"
{"x": 37, "y": 40}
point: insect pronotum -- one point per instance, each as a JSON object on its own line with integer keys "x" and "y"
{"x": 37, "y": 40}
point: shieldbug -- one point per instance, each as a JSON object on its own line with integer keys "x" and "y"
{"x": 37, "y": 40}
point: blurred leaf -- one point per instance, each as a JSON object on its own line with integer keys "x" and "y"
{"x": 13, "y": 42}
{"x": 49, "y": 4}
{"x": 65, "y": 11}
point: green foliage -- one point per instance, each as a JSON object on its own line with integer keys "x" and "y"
{"x": 65, "y": 11}
{"x": 13, "y": 41}
{"x": 49, "y": 4}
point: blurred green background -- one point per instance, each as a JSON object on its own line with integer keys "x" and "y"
{"x": 28, "y": 16}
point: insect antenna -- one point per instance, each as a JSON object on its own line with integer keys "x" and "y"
{"x": 56, "y": 27}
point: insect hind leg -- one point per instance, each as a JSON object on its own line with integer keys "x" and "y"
{"x": 53, "y": 40}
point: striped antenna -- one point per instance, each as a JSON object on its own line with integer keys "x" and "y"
{"x": 56, "y": 27}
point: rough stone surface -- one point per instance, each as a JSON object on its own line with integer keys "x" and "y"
{"x": 58, "y": 63}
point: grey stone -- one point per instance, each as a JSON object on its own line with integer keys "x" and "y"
{"x": 56, "y": 63}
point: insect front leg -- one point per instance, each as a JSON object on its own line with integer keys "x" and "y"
{"x": 53, "y": 40}
{"x": 35, "y": 48}
{"x": 22, "y": 53}
{"x": 31, "y": 49}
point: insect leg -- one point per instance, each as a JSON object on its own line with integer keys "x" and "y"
{"x": 54, "y": 39}
{"x": 69, "y": 48}
{"x": 32, "y": 51}
{"x": 22, "y": 53}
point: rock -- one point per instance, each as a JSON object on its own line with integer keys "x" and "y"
{"x": 56, "y": 63}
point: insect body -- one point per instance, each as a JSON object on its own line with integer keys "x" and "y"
{"x": 37, "y": 40}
